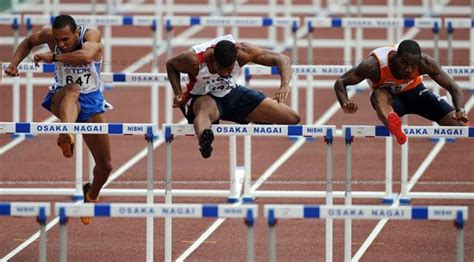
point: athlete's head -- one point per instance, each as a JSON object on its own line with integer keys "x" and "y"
{"x": 65, "y": 33}
{"x": 225, "y": 55}
{"x": 408, "y": 58}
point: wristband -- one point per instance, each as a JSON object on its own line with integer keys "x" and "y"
{"x": 460, "y": 109}
{"x": 54, "y": 58}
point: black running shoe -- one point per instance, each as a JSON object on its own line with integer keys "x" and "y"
{"x": 205, "y": 143}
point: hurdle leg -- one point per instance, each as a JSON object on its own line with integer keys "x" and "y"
{"x": 149, "y": 219}
{"x": 404, "y": 200}
{"x": 168, "y": 199}
{"x": 249, "y": 220}
{"x": 62, "y": 235}
{"x": 329, "y": 196}
{"x": 348, "y": 201}
{"x": 78, "y": 194}
{"x": 388, "y": 200}
{"x": 42, "y": 238}
{"x": 459, "y": 237}
{"x": 271, "y": 236}
{"x": 248, "y": 169}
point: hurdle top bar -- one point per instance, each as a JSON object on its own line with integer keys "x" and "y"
{"x": 371, "y": 22}
{"x": 24, "y": 209}
{"x": 248, "y": 70}
{"x": 366, "y": 212}
{"x": 77, "y": 128}
{"x": 451, "y": 23}
{"x": 10, "y": 20}
{"x": 111, "y": 20}
{"x": 241, "y": 21}
{"x": 410, "y": 131}
{"x": 156, "y": 210}
{"x": 254, "y": 130}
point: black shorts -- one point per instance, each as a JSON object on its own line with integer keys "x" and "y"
{"x": 422, "y": 102}
{"x": 235, "y": 106}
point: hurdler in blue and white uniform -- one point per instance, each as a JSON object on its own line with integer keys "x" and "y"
{"x": 76, "y": 94}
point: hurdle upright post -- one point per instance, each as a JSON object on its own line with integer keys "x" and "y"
{"x": 62, "y": 235}
{"x": 42, "y": 244}
{"x": 150, "y": 138}
{"x": 329, "y": 194}
{"x": 249, "y": 221}
{"x": 294, "y": 61}
{"x": 271, "y": 236}
{"x": 168, "y": 196}
{"x": 348, "y": 197}
{"x": 16, "y": 81}
{"x": 309, "y": 77}
{"x": 459, "y": 222}
{"x": 168, "y": 91}
{"x": 404, "y": 200}
{"x": 29, "y": 82}
{"x": 471, "y": 41}
{"x": 154, "y": 69}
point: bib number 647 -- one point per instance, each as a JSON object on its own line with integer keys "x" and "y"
{"x": 81, "y": 80}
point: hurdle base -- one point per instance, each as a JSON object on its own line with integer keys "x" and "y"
{"x": 77, "y": 198}
{"x": 405, "y": 201}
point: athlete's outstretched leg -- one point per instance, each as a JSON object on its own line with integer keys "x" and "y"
{"x": 382, "y": 102}
{"x": 273, "y": 112}
{"x": 65, "y": 106}
{"x": 206, "y": 112}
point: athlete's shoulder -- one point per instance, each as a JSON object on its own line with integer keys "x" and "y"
{"x": 93, "y": 35}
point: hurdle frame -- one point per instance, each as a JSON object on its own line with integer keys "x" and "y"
{"x": 459, "y": 214}
{"x": 150, "y": 211}
{"x": 40, "y": 210}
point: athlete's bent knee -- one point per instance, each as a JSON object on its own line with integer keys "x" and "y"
{"x": 294, "y": 118}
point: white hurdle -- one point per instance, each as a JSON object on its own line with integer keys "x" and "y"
{"x": 459, "y": 214}
{"x": 257, "y": 130}
{"x": 149, "y": 130}
{"x": 167, "y": 211}
{"x": 30, "y": 209}
{"x": 404, "y": 198}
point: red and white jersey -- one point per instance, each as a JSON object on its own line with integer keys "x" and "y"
{"x": 386, "y": 77}
{"x": 205, "y": 82}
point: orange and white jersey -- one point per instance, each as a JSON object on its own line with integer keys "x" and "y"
{"x": 207, "y": 83}
{"x": 386, "y": 77}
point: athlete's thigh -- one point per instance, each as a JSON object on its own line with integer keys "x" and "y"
{"x": 206, "y": 104}
{"x": 98, "y": 144}
{"x": 271, "y": 111}
{"x": 59, "y": 96}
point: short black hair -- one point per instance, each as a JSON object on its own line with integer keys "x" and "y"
{"x": 62, "y": 21}
{"x": 409, "y": 47}
{"x": 225, "y": 53}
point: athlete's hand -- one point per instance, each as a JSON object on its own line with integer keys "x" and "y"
{"x": 178, "y": 100}
{"x": 282, "y": 93}
{"x": 461, "y": 116}
{"x": 349, "y": 107}
{"x": 11, "y": 70}
{"x": 46, "y": 57}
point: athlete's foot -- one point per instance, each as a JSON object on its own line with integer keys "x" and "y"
{"x": 87, "y": 199}
{"x": 394, "y": 124}
{"x": 205, "y": 143}
{"x": 66, "y": 143}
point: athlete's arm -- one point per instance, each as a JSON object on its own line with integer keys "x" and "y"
{"x": 430, "y": 66}
{"x": 35, "y": 39}
{"x": 90, "y": 51}
{"x": 366, "y": 69}
{"x": 252, "y": 53}
{"x": 183, "y": 63}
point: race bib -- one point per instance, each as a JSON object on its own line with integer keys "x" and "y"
{"x": 82, "y": 76}
{"x": 220, "y": 84}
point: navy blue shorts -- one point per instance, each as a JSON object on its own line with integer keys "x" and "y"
{"x": 235, "y": 106}
{"x": 422, "y": 102}
{"x": 91, "y": 104}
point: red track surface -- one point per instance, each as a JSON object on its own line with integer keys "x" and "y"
{"x": 38, "y": 160}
